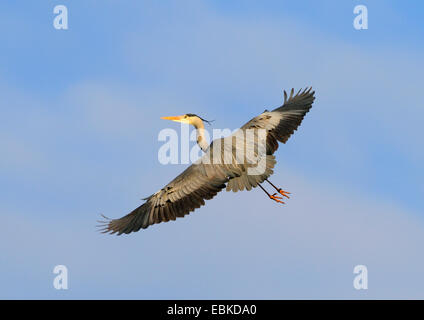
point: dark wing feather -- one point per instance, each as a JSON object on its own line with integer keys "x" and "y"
{"x": 293, "y": 111}
{"x": 279, "y": 125}
{"x": 184, "y": 194}
{"x": 283, "y": 121}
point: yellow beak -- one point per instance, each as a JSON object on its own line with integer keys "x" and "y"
{"x": 176, "y": 119}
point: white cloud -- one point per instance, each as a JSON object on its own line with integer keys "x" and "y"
{"x": 237, "y": 246}
{"x": 240, "y": 245}
{"x": 361, "y": 90}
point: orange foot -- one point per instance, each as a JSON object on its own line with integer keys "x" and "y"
{"x": 284, "y": 193}
{"x": 276, "y": 198}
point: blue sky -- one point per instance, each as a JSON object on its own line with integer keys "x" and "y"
{"x": 80, "y": 115}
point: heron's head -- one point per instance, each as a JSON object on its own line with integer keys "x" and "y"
{"x": 188, "y": 118}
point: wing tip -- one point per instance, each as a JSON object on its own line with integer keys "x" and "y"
{"x": 302, "y": 91}
{"x": 303, "y": 94}
{"x": 105, "y": 226}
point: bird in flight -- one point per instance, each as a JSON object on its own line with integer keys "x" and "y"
{"x": 231, "y": 162}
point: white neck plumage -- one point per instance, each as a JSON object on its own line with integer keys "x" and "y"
{"x": 200, "y": 131}
{"x": 201, "y": 140}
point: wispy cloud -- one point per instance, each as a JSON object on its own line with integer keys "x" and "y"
{"x": 89, "y": 146}
{"x": 281, "y": 251}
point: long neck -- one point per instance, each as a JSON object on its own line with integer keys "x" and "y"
{"x": 201, "y": 140}
{"x": 200, "y": 131}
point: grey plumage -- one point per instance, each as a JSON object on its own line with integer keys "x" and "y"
{"x": 202, "y": 180}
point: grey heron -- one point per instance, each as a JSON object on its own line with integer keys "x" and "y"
{"x": 206, "y": 177}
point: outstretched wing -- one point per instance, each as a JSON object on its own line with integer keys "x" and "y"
{"x": 279, "y": 125}
{"x": 188, "y": 191}
{"x": 283, "y": 121}
{"x": 203, "y": 180}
